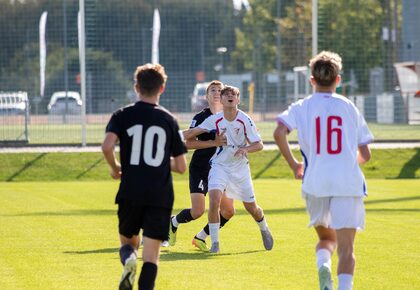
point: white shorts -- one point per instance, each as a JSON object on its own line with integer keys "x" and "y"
{"x": 236, "y": 181}
{"x": 336, "y": 212}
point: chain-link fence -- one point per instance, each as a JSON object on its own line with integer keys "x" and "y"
{"x": 261, "y": 46}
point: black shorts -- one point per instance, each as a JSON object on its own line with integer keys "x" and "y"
{"x": 199, "y": 178}
{"x": 153, "y": 220}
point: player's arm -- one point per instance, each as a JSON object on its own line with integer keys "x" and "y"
{"x": 193, "y": 132}
{"x": 179, "y": 163}
{"x": 252, "y": 147}
{"x": 364, "y": 154}
{"x": 280, "y": 136}
{"x": 194, "y": 143}
{"x": 108, "y": 150}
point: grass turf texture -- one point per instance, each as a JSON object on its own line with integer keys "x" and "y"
{"x": 385, "y": 163}
{"x": 72, "y": 134}
{"x": 63, "y": 235}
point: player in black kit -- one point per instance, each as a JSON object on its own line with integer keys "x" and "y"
{"x": 150, "y": 147}
{"x": 199, "y": 168}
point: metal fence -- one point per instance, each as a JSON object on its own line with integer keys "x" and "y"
{"x": 261, "y": 46}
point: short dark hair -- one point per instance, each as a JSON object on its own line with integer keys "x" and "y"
{"x": 232, "y": 89}
{"x": 325, "y": 68}
{"x": 150, "y": 78}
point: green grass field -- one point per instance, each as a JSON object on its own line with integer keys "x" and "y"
{"x": 71, "y": 133}
{"x": 63, "y": 235}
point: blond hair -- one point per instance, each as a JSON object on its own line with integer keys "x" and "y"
{"x": 325, "y": 68}
{"x": 213, "y": 83}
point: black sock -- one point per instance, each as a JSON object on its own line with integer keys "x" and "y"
{"x": 184, "y": 216}
{"x": 147, "y": 276}
{"x": 125, "y": 252}
{"x": 223, "y": 221}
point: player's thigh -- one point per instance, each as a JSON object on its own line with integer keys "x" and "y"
{"x": 130, "y": 219}
{"x": 198, "y": 177}
{"x": 156, "y": 222}
{"x": 318, "y": 209}
{"x": 218, "y": 178}
{"x": 347, "y": 213}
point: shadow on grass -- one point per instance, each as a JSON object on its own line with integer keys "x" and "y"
{"x": 89, "y": 168}
{"x": 75, "y": 212}
{"x": 399, "y": 199}
{"x": 267, "y": 166}
{"x": 98, "y": 251}
{"x": 198, "y": 255}
{"x": 411, "y": 166}
{"x": 26, "y": 166}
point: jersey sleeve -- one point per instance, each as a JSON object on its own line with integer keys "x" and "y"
{"x": 114, "y": 124}
{"x": 251, "y": 131}
{"x": 364, "y": 136}
{"x": 194, "y": 121}
{"x": 289, "y": 117}
{"x": 178, "y": 145}
{"x": 208, "y": 124}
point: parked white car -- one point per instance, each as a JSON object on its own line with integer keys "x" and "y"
{"x": 57, "y": 105}
{"x": 198, "y": 97}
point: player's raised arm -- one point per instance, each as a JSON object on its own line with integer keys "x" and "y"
{"x": 108, "y": 150}
{"x": 280, "y": 136}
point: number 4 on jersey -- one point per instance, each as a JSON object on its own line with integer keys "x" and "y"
{"x": 333, "y": 132}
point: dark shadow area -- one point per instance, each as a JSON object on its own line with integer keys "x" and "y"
{"x": 26, "y": 166}
{"x": 90, "y": 168}
{"x": 269, "y": 164}
{"x": 75, "y": 212}
{"x": 98, "y": 251}
{"x": 399, "y": 199}
{"x": 198, "y": 255}
{"x": 411, "y": 166}
{"x": 384, "y": 210}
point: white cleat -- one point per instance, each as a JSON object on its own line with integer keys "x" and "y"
{"x": 128, "y": 276}
{"x": 215, "y": 248}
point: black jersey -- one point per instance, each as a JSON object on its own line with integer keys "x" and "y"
{"x": 202, "y": 156}
{"x": 149, "y": 135}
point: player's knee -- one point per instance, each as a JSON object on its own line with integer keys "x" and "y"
{"x": 227, "y": 213}
{"x": 197, "y": 212}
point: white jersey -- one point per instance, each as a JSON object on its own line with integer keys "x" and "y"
{"x": 330, "y": 129}
{"x": 238, "y": 133}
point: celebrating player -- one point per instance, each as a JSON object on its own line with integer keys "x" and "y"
{"x": 229, "y": 165}
{"x": 148, "y": 136}
{"x": 205, "y": 145}
{"x": 333, "y": 138}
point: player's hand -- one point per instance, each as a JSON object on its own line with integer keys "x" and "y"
{"x": 220, "y": 139}
{"x": 116, "y": 172}
{"x": 298, "y": 170}
{"x": 241, "y": 152}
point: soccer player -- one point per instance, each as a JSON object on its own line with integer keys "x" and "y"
{"x": 230, "y": 170}
{"x": 150, "y": 147}
{"x": 205, "y": 145}
{"x": 333, "y": 138}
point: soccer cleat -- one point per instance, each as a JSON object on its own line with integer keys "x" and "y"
{"x": 267, "y": 239}
{"x": 129, "y": 274}
{"x": 172, "y": 233}
{"x": 164, "y": 244}
{"x": 325, "y": 281}
{"x": 200, "y": 244}
{"x": 215, "y": 248}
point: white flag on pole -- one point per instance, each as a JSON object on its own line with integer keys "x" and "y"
{"x": 42, "y": 52}
{"x": 156, "y": 35}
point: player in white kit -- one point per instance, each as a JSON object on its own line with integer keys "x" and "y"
{"x": 229, "y": 165}
{"x": 333, "y": 138}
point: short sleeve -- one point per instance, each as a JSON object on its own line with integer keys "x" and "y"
{"x": 364, "y": 136}
{"x": 114, "y": 124}
{"x": 251, "y": 131}
{"x": 178, "y": 145}
{"x": 208, "y": 124}
{"x": 289, "y": 117}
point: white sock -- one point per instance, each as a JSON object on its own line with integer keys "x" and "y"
{"x": 174, "y": 221}
{"x": 345, "y": 282}
{"x": 263, "y": 224}
{"x": 323, "y": 258}
{"x": 214, "y": 232}
{"x": 202, "y": 235}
